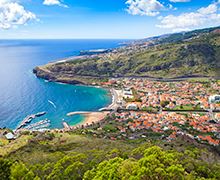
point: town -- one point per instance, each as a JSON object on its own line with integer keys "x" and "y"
{"x": 170, "y": 109}
{"x": 143, "y": 108}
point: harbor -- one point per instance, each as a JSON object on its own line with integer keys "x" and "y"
{"x": 28, "y": 120}
{"x": 43, "y": 124}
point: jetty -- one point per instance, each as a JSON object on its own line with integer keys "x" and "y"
{"x": 77, "y": 112}
{"x": 38, "y": 125}
{"x": 66, "y": 126}
{"x": 28, "y": 119}
{"x": 116, "y": 97}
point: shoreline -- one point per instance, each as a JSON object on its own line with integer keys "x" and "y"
{"x": 91, "y": 118}
{"x": 96, "y": 116}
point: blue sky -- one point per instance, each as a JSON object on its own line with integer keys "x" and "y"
{"x": 108, "y": 19}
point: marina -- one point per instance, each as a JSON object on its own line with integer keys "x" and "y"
{"x": 28, "y": 120}
{"x": 39, "y": 125}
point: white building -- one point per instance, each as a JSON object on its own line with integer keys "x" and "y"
{"x": 10, "y": 136}
{"x": 214, "y": 99}
{"x": 127, "y": 93}
{"x": 132, "y": 106}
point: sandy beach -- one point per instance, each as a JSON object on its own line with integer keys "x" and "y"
{"x": 90, "y": 118}
{"x": 94, "y": 117}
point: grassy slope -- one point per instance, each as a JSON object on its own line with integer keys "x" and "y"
{"x": 47, "y": 147}
{"x": 50, "y": 154}
{"x": 42, "y": 148}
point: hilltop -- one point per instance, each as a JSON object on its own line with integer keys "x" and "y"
{"x": 188, "y": 54}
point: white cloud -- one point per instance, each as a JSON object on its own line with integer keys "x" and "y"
{"x": 180, "y": 1}
{"x": 54, "y": 2}
{"x": 212, "y": 8}
{"x": 208, "y": 16}
{"x": 13, "y": 14}
{"x": 144, "y": 7}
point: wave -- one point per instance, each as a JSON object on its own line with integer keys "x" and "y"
{"x": 51, "y": 102}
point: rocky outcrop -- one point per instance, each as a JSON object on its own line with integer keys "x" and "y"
{"x": 40, "y": 73}
{"x": 55, "y": 76}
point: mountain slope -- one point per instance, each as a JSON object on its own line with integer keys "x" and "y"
{"x": 197, "y": 56}
{"x": 70, "y": 156}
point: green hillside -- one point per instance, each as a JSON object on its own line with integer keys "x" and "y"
{"x": 194, "y": 56}
{"x": 70, "y": 156}
{"x": 178, "y": 37}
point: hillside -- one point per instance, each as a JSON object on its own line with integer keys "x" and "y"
{"x": 195, "y": 53}
{"x": 71, "y": 156}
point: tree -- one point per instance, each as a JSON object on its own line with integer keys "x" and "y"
{"x": 106, "y": 170}
{"x": 156, "y": 164}
{"x": 5, "y": 170}
{"x": 20, "y": 172}
{"x": 164, "y": 103}
{"x": 69, "y": 167}
{"x": 74, "y": 171}
{"x": 127, "y": 168}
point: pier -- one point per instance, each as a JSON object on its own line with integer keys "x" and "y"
{"x": 77, "y": 112}
{"x": 38, "y": 125}
{"x": 66, "y": 126}
{"x": 116, "y": 97}
{"x": 28, "y": 120}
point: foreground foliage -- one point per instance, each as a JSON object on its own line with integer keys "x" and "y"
{"x": 69, "y": 156}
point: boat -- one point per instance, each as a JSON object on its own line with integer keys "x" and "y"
{"x": 40, "y": 114}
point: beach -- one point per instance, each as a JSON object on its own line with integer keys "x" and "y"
{"x": 94, "y": 117}
{"x": 89, "y": 118}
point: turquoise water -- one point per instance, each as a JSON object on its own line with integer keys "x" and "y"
{"x": 22, "y": 94}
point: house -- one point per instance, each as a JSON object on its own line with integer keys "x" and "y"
{"x": 9, "y": 136}
{"x": 214, "y": 99}
{"x": 217, "y": 116}
{"x": 127, "y": 93}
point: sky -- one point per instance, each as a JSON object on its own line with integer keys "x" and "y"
{"x": 103, "y": 19}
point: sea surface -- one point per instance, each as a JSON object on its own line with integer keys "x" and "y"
{"x": 22, "y": 94}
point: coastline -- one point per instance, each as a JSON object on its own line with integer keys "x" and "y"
{"x": 89, "y": 118}
{"x": 97, "y": 116}
{"x": 92, "y": 118}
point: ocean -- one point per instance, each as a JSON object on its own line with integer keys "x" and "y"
{"x": 22, "y": 94}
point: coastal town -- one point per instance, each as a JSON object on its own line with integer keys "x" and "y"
{"x": 183, "y": 108}
{"x": 149, "y": 109}
{"x": 165, "y": 110}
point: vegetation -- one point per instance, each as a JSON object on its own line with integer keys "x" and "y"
{"x": 70, "y": 156}
{"x": 187, "y": 107}
{"x": 104, "y": 150}
{"x": 191, "y": 54}
{"x": 179, "y": 37}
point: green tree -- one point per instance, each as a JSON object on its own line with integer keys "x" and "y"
{"x": 164, "y": 103}
{"x": 74, "y": 171}
{"x": 106, "y": 170}
{"x": 69, "y": 167}
{"x": 5, "y": 170}
{"x": 127, "y": 168}
{"x": 20, "y": 172}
